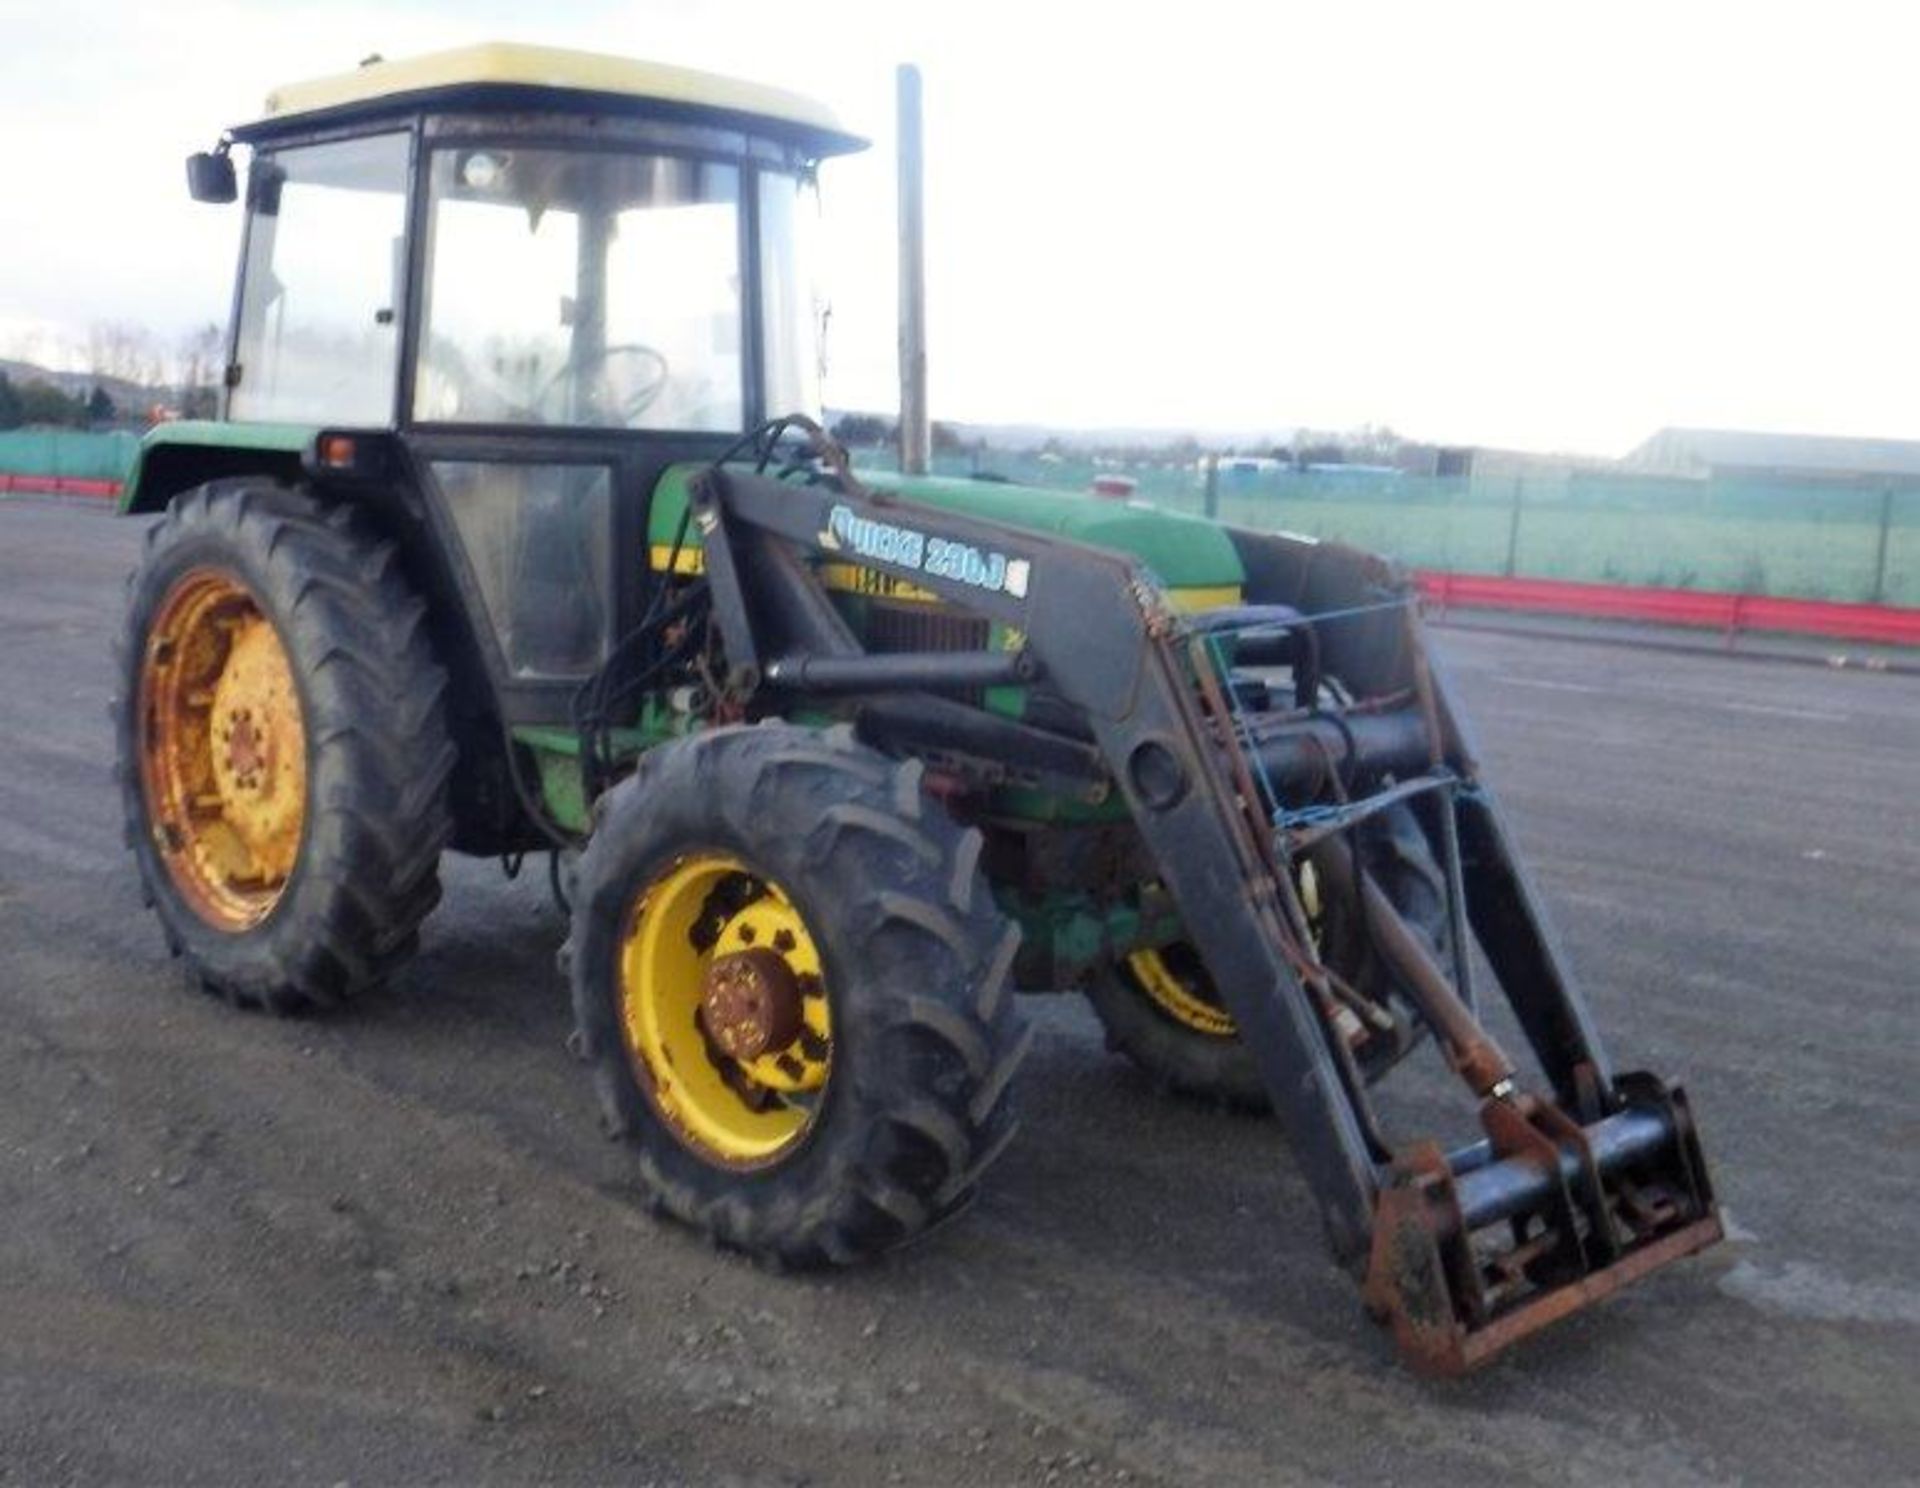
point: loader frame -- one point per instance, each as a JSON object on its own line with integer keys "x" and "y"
{"x": 1575, "y": 1190}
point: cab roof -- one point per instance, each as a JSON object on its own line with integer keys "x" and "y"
{"x": 509, "y": 74}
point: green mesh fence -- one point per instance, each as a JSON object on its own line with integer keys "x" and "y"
{"x": 1853, "y": 542}
{"x": 73, "y": 453}
{"x": 1857, "y": 542}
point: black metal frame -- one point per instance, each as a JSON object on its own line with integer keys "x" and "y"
{"x": 1593, "y": 1185}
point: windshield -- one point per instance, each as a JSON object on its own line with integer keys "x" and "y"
{"x": 582, "y": 288}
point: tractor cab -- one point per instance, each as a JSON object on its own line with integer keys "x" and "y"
{"x": 546, "y": 276}
{"x": 519, "y": 237}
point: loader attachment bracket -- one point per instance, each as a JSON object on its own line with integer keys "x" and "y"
{"x": 1587, "y": 1210}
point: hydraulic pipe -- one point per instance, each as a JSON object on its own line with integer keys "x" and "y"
{"x": 1480, "y": 1061}
{"x": 895, "y": 670}
{"x": 1303, "y": 759}
{"x": 934, "y": 724}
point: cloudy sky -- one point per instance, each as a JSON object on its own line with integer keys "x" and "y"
{"x": 1535, "y": 224}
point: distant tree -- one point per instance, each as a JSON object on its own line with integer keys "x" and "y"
{"x": 43, "y": 403}
{"x": 199, "y": 366}
{"x": 946, "y": 438}
{"x": 119, "y": 349}
{"x": 100, "y": 409}
{"x": 1375, "y": 444}
{"x": 863, "y": 430}
{"x": 9, "y": 403}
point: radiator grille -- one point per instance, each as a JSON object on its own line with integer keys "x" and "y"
{"x": 893, "y": 626}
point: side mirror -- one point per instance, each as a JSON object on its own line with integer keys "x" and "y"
{"x": 210, "y": 177}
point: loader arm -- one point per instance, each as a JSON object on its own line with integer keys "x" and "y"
{"x": 1574, "y": 1191}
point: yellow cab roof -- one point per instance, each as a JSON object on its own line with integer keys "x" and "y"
{"x": 496, "y": 70}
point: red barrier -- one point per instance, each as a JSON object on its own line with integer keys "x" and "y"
{"x": 60, "y": 485}
{"x": 1892, "y": 625}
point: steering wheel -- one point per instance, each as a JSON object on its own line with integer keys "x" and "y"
{"x": 650, "y": 380}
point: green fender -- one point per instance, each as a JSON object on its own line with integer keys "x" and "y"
{"x": 178, "y": 456}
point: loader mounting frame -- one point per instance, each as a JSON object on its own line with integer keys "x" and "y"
{"x": 1575, "y": 1191}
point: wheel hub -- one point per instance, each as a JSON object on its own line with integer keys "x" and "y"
{"x": 246, "y": 752}
{"x": 750, "y": 1002}
{"x": 255, "y": 724}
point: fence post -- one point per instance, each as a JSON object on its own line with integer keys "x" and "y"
{"x": 1879, "y": 592}
{"x": 1211, "y": 501}
{"x": 1513, "y": 526}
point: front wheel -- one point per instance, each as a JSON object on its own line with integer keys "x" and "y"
{"x": 791, "y": 983}
{"x": 1160, "y": 1008}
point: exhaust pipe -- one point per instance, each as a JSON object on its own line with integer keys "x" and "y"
{"x": 916, "y": 433}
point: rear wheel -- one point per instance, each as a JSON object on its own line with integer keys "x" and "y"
{"x": 791, "y": 983}
{"x": 1160, "y": 1007}
{"x": 283, "y": 757}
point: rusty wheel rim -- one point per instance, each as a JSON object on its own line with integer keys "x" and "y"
{"x": 223, "y": 750}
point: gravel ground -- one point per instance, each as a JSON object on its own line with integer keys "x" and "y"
{"x": 390, "y": 1247}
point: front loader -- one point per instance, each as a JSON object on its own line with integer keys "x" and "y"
{"x": 525, "y": 548}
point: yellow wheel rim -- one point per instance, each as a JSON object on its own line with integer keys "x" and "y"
{"x": 223, "y": 750}
{"x": 1176, "y": 982}
{"x": 1184, "y": 994}
{"x": 724, "y": 1008}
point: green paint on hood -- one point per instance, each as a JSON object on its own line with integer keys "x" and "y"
{"x": 1184, "y": 552}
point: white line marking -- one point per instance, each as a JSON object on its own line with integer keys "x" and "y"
{"x": 1800, "y": 1290}
{"x": 1775, "y": 710}
{"x": 1769, "y": 710}
{"x": 1549, "y": 686}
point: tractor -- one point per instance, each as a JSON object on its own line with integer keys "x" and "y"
{"x": 517, "y": 533}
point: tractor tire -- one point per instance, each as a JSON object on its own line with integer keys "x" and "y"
{"x": 1161, "y": 1011}
{"x": 282, "y": 746}
{"x": 877, "y": 1115}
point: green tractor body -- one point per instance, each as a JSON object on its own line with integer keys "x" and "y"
{"x": 517, "y": 533}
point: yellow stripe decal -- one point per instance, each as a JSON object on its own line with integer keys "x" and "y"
{"x": 1204, "y": 597}
{"x": 853, "y": 578}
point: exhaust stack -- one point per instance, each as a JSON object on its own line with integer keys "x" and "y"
{"x": 915, "y": 428}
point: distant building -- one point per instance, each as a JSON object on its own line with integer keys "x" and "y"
{"x": 1245, "y": 467}
{"x": 1487, "y": 462}
{"x": 1732, "y": 454}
